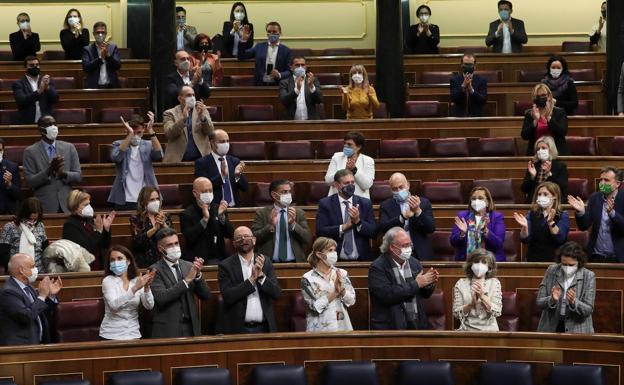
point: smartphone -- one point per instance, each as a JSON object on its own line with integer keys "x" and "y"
{"x": 269, "y": 69}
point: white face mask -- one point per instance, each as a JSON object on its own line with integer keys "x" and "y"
{"x": 206, "y": 197}
{"x": 331, "y": 258}
{"x": 286, "y": 199}
{"x": 24, "y": 25}
{"x": 173, "y": 254}
{"x": 184, "y": 65}
{"x": 406, "y": 253}
{"x": 87, "y": 211}
{"x": 223, "y": 148}
{"x": 73, "y": 20}
{"x": 190, "y": 101}
{"x": 136, "y": 139}
{"x": 34, "y": 272}
{"x": 542, "y": 154}
{"x": 1, "y": 155}
{"x": 153, "y": 207}
{"x": 543, "y": 201}
{"x": 357, "y": 78}
{"x": 52, "y": 132}
{"x": 478, "y": 204}
{"x": 479, "y": 269}
{"x": 555, "y": 73}
{"x": 424, "y": 18}
{"x": 240, "y": 16}
{"x": 569, "y": 271}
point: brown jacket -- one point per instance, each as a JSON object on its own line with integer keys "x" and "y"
{"x": 177, "y": 136}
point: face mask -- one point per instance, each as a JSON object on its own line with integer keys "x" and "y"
{"x": 357, "y": 78}
{"x": 424, "y": 18}
{"x": 87, "y": 211}
{"x": 273, "y": 37}
{"x": 569, "y": 271}
{"x": 605, "y": 188}
{"x": 204, "y": 48}
{"x": 401, "y": 195}
{"x": 190, "y": 101}
{"x": 184, "y": 66}
{"x": 555, "y": 73}
{"x": 406, "y": 253}
{"x": 331, "y": 258}
{"x": 99, "y": 38}
{"x": 542, "y": 154}
{"x": 34, "y": 272}
{"x": 153, "y": 207}
{"x": 348, "y": 190}
{"x": 478, "y": 204}
{"x": 240, "y": 16}
{"x": 181, "y": 21}
{"x": 173, "y": 254}
{"x": 24, "y": 25}
{"x": 299, "y": 72}
{"x": 604, "y": 14}
{"x": 136, "y": 139}
{"x": 543, "y": 201}
{"x": 540, "y": 101}
{"x": 223, "y": 148}
{"x": 479, "y": 269}
{"x": 1, "y": 155}
{"x": 206, "y": 197}
{"x": 118, "y": 267}
{"x": 51, "y": 132}
{"x": 33, "y": 71}
{"x": 285, "y": 199}
{"x": 73, "y": 20}
{"x": 468, "y": 68}
{"x": 504, "y": 15}
{"x": 348, "y": 151}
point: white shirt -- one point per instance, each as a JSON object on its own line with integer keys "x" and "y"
{"x": 180, "y": 39}
{"x": 602, "y": 41}
{"x": 343, "y": 207}
{"x": 34, "y": 86}
{"x": 135, "y": 176}
{"x": 363, "y": 178}
{"x": 185, "y": 78}
{"x": 301, "y": 113}
{"x": 564, "y": 301}
{"x": 121, "y": 309}
{"x": 103, "y": 80}
{"x": 253, "y": 313}
{"x": 400, "y": 266}
{"x": 271, "y": 59}
{"x": 506, "y": 39}
{"x": 226, "y": 178}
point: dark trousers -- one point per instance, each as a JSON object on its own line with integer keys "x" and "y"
{"x": 256, "y": 327}
{"x": 597, "y": 258}
{"x": 128, "y": 206}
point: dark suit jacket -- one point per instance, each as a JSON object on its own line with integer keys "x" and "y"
{"x": 558, "y": 128}
{"x": 18, "y": 316}
{"x": 300, "y": 235}
{"x": 26, "y": 98}
{"x": 387, "y": 297}
{"x": 592, "y": 217}
{"x": 419, "y": 227}
{"x": 207, "y": 243}
{"x": 235, "y": 292}
{"x": 559, "y": 171}
{"x": 73, "y": 45}
{"x": 259, "y": 52}
{"x": 518, "y": 37}
{"x": 477, "y": 99}
{"x": 228, "y": 40}
{"x": 96, "y": 243}
{"x": 329, "y": 218}
{"x": 9, "y": 196}
{"x": 175, "y": 82}
{"x": 422, "y": 44}
{"x": 24, "y": 47}
{"x": 288, "y": 97}
{"x": 207, "y": 167}
{"x": 91, "y": 64}
{"x": 168, "y": 303}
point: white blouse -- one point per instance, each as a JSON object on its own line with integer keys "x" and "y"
{"x": 121, "y": 309}
{"x": 478, "y": 318}
{"x": 364, "y": 176}
{"x": 322, "y": 315}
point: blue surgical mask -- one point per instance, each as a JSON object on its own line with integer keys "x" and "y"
{"x": 118, "y": 267}
{"x": 348, "y": 190}
{"x": 504, "y": 15}
{"x": 348, "y": 151}
{"x": 273, "y": 37}
{"x": 299, "y": 72}
{"x": 401, "y": 195}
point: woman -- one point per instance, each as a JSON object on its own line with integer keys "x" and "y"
{"x": 362, "y": 166}
{"x": 545, "y": 167}
{"x": 326, "y": 290}
{"x": 149, "y": 219}
{"x": 212, "y": 72}
{"x": 546, "y": 226}
{"x": 479, "y": 227}
{"x": 422, "y": 38}
{"x": 561, "y": 84}
{"x": 477, "y": 299}
{"x": 233, "y": 30}
{"x": 359, "y": 99}
{"x": 84, "y": 228}
{"x": 566, "y": 294}
{"x": 123, "y": 290}
{"x": 544, "y": 119}
{"x": 73, "y": 36}
{"x": 25, "y": 234}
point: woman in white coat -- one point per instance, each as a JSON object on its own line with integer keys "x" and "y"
{"x": 351, "y": 158}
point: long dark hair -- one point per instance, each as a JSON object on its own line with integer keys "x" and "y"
{"x": 27, "y": 207}
{"x": 132, "y": 270}
{"x": 245, "y": 20}
{"x": 562, "y": 60}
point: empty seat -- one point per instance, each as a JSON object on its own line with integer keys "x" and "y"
{"x": 202, "y": 376}
{"x": 617, "y": 145}
{"x": 125, "y": 53}
{"x": 78, "y": 321}
{"x": 328, "y": 147}
{"x": 83, "y": 150}
{"x": 581, "y": 145}
{"x": 511, "y": 246}
{"x": 329, "y": 79}
{"x": 248, "y": 150}
{"x": 501, "y": 189}
{"x": 578, "y": 187}
{"x": 448, "y": 147}
{"x": 72, "y": 116}
{"x": 497, "y": 147}
{"x": 505, "y": 373}
{"x": 136, "y": 378}
{"x": 349, "y": 373}
{"x": 53, "y": 55}
{"x": 422, "y": 109}
{"x": 576, "y": 375}
{"x": 586, "y": 74}
{"x": 278, "y": 375}
{"x": 296, "y": 149}
{"x": 441, "y": 245}
{"x": 381, "y": 112}
{"x": 337, "y": 52}
{"x": 576, "y": 46}
{"x": 509, "y": 320}
{"x": 443, "y": 192}
{"x": 434, "y": 308}
{"x": 64, "y": 83}
{"x": 425, "y": 373}
{"x": 580, "y": 237}
{"x": 530, "y": 76}
{"x": 380, "y": 191}
{"x": 255, "y": 112}
{"x": 299, "y": 312}
{"x": 62, "y": 382}
{"x": 99, "y": 196}
{"x": 520, "y": 107}
{"x": 436, "y": 77}
{"x": 261, "y": 195}
{"x": 241, "y": 80}
{"x": 491, "y": 76}
{"x": 216, "y": 113}
{"x": 170, "y": 196}
{"x": 8, "y": 117}
{"x": 301, "y": 52}
{"x": 6, "y": 55}
{"x": 399, "y": 148}
{"x": 316, "y": 192}
{"x": 7, "y": 84}
{"x": 14, "y": 153}
{"x": 113, "y": 115}
{"x": 585, "y": 107}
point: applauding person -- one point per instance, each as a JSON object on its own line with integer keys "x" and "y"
{"x": 424, "y": 37}
{"x": 272, "y": 57}
{"x": 233, "y": 30}
{"x": 24, "y": 42}
{"x": 34, "y": 93}
{"x": 506, "y": 35}
{"x": 301, "y": 93}
{"x": 351, "y": 158}
{"x": 544, "y": 119}
{"x": 359, "y": 99}
{"x": 468, "y": 90}
{"x": 73, "y": 36}
{"x": 149, "y": 218}
{"x": 545, "y": 167}
{"x": 101, "y": 60}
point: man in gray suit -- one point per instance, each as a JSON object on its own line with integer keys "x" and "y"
{"x": 176, "y": 282}
{"x": 51, "y": 167}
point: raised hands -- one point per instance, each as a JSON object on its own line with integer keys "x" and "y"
{"x": 107, "y": 220}
{"x": 461, "y": 225}
{"x": 223, "y": 206}
{"x": 425, "y": 279}
{"x": 555, "y": 293}
{"x": 310, "y": 80}
{"x": 292, "y": 215}
{"x": 571, "y": 296}
{"x": 521, "y": 220}
{"x": 577, "y": 204}
{"x": 150, "y": 122}
{"x": 195, "y": 270}
{"x": 129, "y": 131}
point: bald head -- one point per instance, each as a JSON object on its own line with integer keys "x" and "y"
{"x": 201, "y": 185}
{"x": 398, "y": 182}
{"x": 20, "y": 263}
{"x": 242, "y": 231}
{"x": 219, "y": 137}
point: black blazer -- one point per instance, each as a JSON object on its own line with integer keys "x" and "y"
{"x": 235, "y": 291}
{"x": 26, "y": 98}
{"x": 207, "y": 243}
{"x": 518, "y": 37}
{"x": 593, "y": 216}
{"x": 228, "y": 40}
{"x": 558, "y": 128}
{"x": 91, "y": 64}
{"x": 566, "y": 95}
{"x": 9, "y": 196}
{"x": 559, "y": 171}
{"x": 477, "y": 99}
{"x": 73, "y": 45}
{"x": 175, "y": 82}
{"x": 207, "y": 167}
{"x": 422, "y": 44}
{"x": 96, "y": 243}
{"x": 288, "y": 97}
{"x": 24, "y": 47}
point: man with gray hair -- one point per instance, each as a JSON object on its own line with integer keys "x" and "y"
{"x": 397, "y": 283}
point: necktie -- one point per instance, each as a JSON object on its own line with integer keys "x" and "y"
{"x": 347, "y": 243}
{"x": 51, "y": 152}
{"x": 184, "y": 299}
{"x": 283, "y": 242}
{"x": 227, "y": 189}
{"x": 32, "y": 297}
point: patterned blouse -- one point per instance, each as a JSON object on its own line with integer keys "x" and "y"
{"x": 324, "y": 316}
{"x": 11, "y": 234}
{"x": 478, "y": 318}
{"x": 144, "y": 249}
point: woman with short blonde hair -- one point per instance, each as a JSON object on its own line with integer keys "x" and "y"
{"x": 545, "y": 167}
{"x": 544, "y": 119}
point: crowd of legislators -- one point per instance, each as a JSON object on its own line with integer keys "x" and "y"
{"x": 345, "y": 223}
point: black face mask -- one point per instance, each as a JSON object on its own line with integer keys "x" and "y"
{"x": 33, "y": 71}
{"x": 204, "y": 48}
{"x": 467, "y": 68}
{"x": 604, "y": 14}
{"x": 540, "y": 101}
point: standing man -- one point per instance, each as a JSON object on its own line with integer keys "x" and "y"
{"x": 272, "y": 58}
{"x": 300, "y": 93}
{"x": 185, "y": 34}
{"x": 506, "y": 35}
{"x": 34, "y": 94}
{"x": 185, "y": 75}
{"x": 249, "y": 287}
{"x": 101, "y": 60}
{"x": 24, "y": 42}
{"x": 468, "y": 90}
{"x": 9, "y": 184}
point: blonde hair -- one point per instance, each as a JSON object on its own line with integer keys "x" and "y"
{"x": 541, "y": 86}
{"x": 552, "y": 147}
{"x": 491, "y": 207}
{"x": 552, "y": 188}
{"x": 358, "y": 68}
{"x": 321, "y": 243}
{"x": 75, "y": 198}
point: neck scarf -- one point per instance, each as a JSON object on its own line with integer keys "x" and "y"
{"x": 474, "y": 232}
{"x": 410, "y": 307}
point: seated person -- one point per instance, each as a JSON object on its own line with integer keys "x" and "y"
{"x": 9, "y": 184}
{"x": 233, "y": 30}
{"x": 506, "y": 35}
{"x": 351, "y": 158}
{"x": 34, "y": 93}
{"x": 544, "y": 119}
{"x": 133, "y": 157}
{"x": 185, "y": 75}
{"x": 24, "y": 42}
{"x": 272, "y": 58}
{"x": 300, "y": 93}
{"x": 185, "y": 34}
{"x": 545, "y": 167}
{"x": 424, "y": 37}
{"x": 479, "y": 227}
{"x": 149, "y": 218}
{"x": 73, "y": 36}
{"x": 561, "y": 84}
{"x": 468, "y": 90}
{"x": 359, "y": 99}
{"x": 598, "y": 33}
{"x": 101, "y": 60}
{"x": 209, "y": 61}
{"x": 477, "y": 298}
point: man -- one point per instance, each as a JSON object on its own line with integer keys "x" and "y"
{"x": 175, "y": 286}
{"x": 24, "y": 42}
{"x": 249, "y": 286}
{"x": 24, "y": 312}
{"x": 51, "y": 167}
{"x": 506, "y": 34}
{"x": 272, "y": 58}
{"x": 348, "y": 219}
{"x": 187, "y": 128}
{"x": 281, "y": 230}
{"x": 34, "y": 94}
{"x": 185, "y": 76}
{"x": 397, "y": 283}
{"x": 605, "y": 215}
{"x": 101, "y": 60}
{"x": 301, "y": 92}
{"x": 205, "y": 224}
{"x": 410, "y": 212}
{"x": 185, "y": 34}
{"x": 598, "y": 33}
{"x": 9, "y": 184}
{"x": 133, "y": 157}
{"x": 224, "y": 171}
{"x": 468, "y": 90}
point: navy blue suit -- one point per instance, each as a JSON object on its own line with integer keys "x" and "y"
{"x": 419, "y": 227}
{"x": 476, "y": 100}
{"x": 9, "y": 196}
{"x": 207, "y": 167}
{"x": 259, "y": 52}
{"x": 592, "y": 217}
{"x": 329, "y": 218}
{"x": 91, "y": 64}
{"x": 25, "y": 98}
